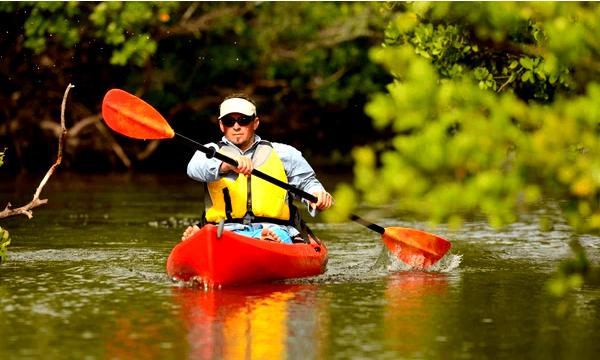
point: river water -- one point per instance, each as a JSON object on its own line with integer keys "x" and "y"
{"x": 86, "y": 279}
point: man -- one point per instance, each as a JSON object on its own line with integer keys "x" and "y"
{"x": 250, "y": 205}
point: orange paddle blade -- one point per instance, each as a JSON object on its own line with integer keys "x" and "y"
{"x": 416, "y": 248}
{"x": 131, "y": 116}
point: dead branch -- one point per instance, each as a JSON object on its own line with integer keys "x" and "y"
{"x": 83, "y": 123}
{"x": 196, "y": 25}
{"x": 117, "y": 149}
{"x": 36, "y": 201}
{"x": 149, "y": 150}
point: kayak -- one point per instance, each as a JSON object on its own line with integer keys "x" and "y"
{"x": 233, "y": 259}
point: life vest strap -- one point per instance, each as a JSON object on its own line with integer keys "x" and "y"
{"x": 228, "y": 207}
{"x": 256, "y": 219}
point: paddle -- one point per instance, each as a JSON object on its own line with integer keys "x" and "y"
{"x": 131, "y": 116}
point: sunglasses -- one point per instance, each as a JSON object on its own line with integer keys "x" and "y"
{"x": 229, "y": 121}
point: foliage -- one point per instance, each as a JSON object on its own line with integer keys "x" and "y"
{"x": 492, "y": 105}
{"x": 124, "y": 25}
{"x": 4, "y": 242}
{"x": 571, "y": 275}
{"x": 306, "y": 63}
{"x": 128, "y": 26}
{"x": 4, "y": 235}
{"x": 572, "y": 271}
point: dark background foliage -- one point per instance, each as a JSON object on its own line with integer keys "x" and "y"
{"x": 306, "y": 64}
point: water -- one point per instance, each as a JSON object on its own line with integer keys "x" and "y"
{"x": 86, "y": 279}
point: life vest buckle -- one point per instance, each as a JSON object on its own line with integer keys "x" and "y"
{"x": 248, "y": 218}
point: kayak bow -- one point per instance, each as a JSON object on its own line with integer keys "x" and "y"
{"x": 233, "y": 259}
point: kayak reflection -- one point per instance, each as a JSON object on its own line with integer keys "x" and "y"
{"x": 258, "y": 322}
{"x": 413, "y": 311}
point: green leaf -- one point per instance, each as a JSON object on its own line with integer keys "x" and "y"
{"x": 526, "y": 62}
{"x": 4, "y": 242}
{"x": 540, "y": 74}
{"x": 527, "y": 76}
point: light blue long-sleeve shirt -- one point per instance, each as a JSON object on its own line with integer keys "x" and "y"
{"x": 299, "y": 172}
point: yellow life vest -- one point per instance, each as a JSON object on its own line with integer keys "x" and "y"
{"x": 239, "y": 198}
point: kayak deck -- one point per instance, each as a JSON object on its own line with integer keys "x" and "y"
{"x": 236, "y": 259}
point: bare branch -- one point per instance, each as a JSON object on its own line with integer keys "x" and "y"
{"x": 117, "y": 149}
{"x": 196, "y": 25}
{"x": 83, "y": 123}
{"x": 149, "y": 150}
{"x": 336, "y": 33}
{"x": 36, "y": 201}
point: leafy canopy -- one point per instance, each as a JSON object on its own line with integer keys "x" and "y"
{"x": 492, "y": 105}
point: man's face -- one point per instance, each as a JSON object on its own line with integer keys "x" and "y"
{"x": 240, "y": 135}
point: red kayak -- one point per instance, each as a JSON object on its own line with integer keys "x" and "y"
{"x": 235, "y": 259}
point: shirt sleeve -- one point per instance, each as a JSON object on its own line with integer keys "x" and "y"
{"x": 299, "y": 172}
{"x": 203, "y": 169}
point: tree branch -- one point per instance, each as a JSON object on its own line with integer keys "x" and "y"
{"x": 36, "y": 201}
{"x": 117, "y": 149}
{"x": 204, "y": 22}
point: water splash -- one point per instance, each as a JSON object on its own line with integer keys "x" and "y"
{"x": 390, "y": 264}
{"x": 195, "y": 282}
{"x": 446, "y": 264}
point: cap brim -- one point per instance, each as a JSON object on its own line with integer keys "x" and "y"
{"x": 237, "y": 105}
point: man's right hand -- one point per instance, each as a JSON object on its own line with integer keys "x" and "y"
{"x": 245, "y": 166}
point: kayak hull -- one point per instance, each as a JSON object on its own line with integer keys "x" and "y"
{"x": 233, "y": 259}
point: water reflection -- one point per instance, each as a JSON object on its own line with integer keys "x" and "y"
{"x": 270, "y": 321}
{"x": 413, "y": 310}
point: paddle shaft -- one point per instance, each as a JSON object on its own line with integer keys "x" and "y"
{"x": 368, "y": 224}
{"x": 211, "y": 152}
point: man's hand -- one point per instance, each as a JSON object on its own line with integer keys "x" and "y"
{"x": 245, "y": 166}
{"x": 324, "y": 200}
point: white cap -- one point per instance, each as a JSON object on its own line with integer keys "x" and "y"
{"x": 237, "y": 105}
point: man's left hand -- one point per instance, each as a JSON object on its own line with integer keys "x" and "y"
{"x": 324, "y": 200}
